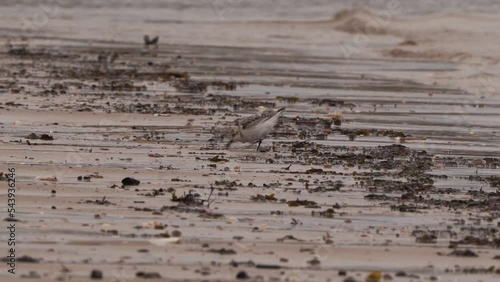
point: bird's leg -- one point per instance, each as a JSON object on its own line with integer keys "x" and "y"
{"x": 229, "y": 144}
{"x": 258, "y": 146}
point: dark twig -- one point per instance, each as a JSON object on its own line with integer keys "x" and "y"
{"x": 208, "y": 200}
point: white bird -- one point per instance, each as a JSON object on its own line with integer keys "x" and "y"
{"x": 255, "y": 128}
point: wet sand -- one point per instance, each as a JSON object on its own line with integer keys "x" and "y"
{"x": 407, "y": 184}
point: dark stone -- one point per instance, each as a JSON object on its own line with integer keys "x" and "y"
{"x": 128, "y": 181}
{"x": 96, "y": 274}
{"x": 242, "y": 275}
{"x": 46, "y": 137}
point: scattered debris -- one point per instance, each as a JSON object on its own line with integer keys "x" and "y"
{"x": 264, "y": 198}
{"x": 148, "y": 275}
{"x": 223, "y": 251}
{"x": 426, "y": 239}
{"x": 304, "y": 203}
{"x": 45, "y": 137}
{"x": 329, "y": 213}
{"x": 463, "y": 253}
{"x": 288, "y": 237}
{"x": 217, "y": 159}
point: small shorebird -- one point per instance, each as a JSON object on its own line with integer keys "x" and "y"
{"x": 255, "y": 128}
{"x": 152, "y": 41}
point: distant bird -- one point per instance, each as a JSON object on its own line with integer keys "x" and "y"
{"x": 255, "y": 128}
{"x": 152, "y": 41}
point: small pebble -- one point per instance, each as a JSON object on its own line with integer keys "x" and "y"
{"x": 129, "y": 181}
{"x": 96, "y": 274}
{"x": 242, "y": 275}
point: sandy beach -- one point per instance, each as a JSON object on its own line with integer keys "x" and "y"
{"x": 384, "y": 167}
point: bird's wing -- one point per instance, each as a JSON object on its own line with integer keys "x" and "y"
{"x": 253, "y": 120}
{"x": 247, "y": 122}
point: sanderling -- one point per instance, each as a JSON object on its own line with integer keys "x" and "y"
{"x": 255, "y": 128}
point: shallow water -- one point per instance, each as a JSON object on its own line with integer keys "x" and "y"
{"x": 175, "y": 10}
